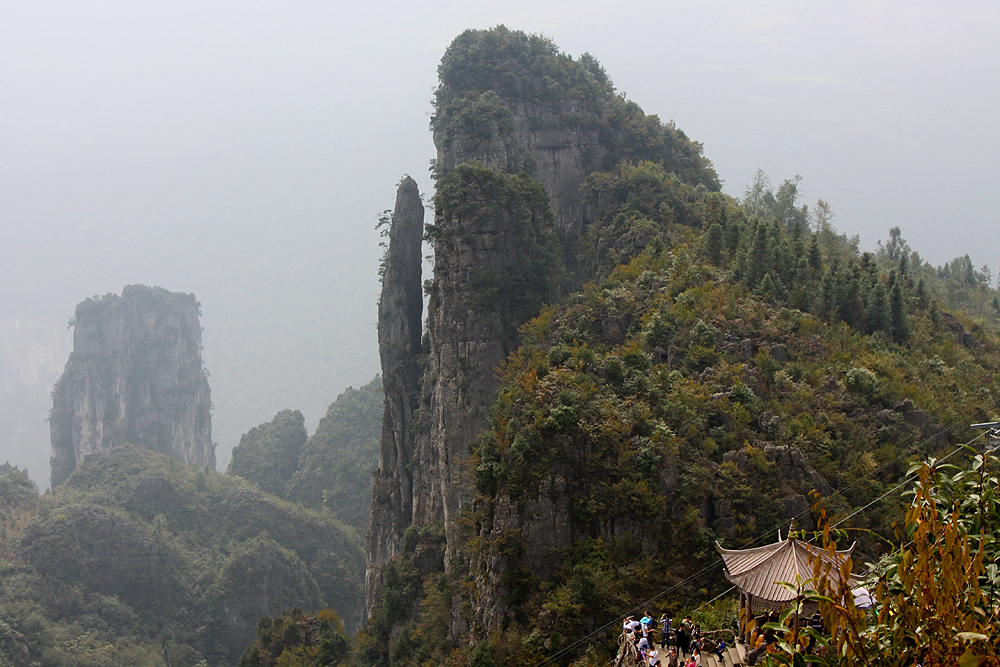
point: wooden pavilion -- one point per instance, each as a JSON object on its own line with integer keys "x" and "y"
{"x": 756, "y": 572}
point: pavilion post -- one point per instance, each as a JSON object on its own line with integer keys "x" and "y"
{"x": 743, "y": 616}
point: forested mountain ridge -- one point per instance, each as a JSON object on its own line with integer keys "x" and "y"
{"x": 331, "y": 469}
{"x": 138, "y": 559}
{"x": 620, "y": 366}
{"x": 704, "y": 364}
{"x": 518, "y": 126}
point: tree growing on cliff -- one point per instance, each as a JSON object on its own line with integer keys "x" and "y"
{"x": 527, "y": 70}
{"x": 526, "y": 268}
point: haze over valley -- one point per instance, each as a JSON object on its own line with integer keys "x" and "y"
{"x": 244, "y": 153}
{"x": 369, "y": 338}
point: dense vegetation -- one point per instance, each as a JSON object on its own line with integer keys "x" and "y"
{"x": 656, "y": 389}
{"x": 294, "y": 640}
{"x": 329, "y": 470}
{"x": 488, "y": 76}
{"x": 140, "y": 560}
{"x": 937, "y": 595}
{"x": 724, "y": 358}
{"x": 268, "y": 455}
{"x": 335, "y": 468}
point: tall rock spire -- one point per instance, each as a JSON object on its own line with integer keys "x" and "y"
{"x": 135, "y": 376}
{"x": 496, "y": 259}
{"x": 400, "y": 312}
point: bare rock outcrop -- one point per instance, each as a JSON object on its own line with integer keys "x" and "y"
{"x": 399, "y": 332}
{"x": 556, "y": 143}
{"x": 793, "y": 467}
{"x": 964, "y": 338}
{"x": 518, "y": 127}
{"x": 496, "y": 258}
{"x": 493, "y": 266}
{"x": 798, "y": 479}
{"x": 135, "y": 376}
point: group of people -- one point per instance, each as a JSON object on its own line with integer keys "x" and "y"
{"x": 681, "y": 646}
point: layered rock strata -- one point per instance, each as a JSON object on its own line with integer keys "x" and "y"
{"x": 517, "y": 130}
{"x": 557, "y": 144}
{"x": 495, "y": 257}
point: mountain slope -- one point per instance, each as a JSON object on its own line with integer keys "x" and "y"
{"x": 705, "y": 365}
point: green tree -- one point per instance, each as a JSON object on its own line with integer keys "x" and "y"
{"x": 897, "y": 313}
{"x": 758, "y": 197}
{"x": 713, "y": 243}
{"x": 268, "y": 455}
{"x": 879, "y": 318}
{"x": 789, "y": 215}
{"x": 815, "y": 256}
{"x": 297, "y": 640}
{"x": 923, "y": 298}
{"x": 895, "y": 249}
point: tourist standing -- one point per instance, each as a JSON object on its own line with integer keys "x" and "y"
{"x": 665, "y": 632}
{"x": 683, "y": 640}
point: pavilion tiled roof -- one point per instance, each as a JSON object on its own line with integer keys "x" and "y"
{"x": 757, "y": 571}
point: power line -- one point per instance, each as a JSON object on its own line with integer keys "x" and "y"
{"x": 906, "y": 480}
{"x": 715, "y": 564}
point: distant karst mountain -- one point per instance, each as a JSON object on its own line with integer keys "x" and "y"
{"x": 135, "y": 376}
{"x": 518, "y": 127}
{"x": 620, "y": 366}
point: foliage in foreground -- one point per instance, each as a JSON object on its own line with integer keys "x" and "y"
{"x": 937, "y": 595}
{"x": 707, "y": 337}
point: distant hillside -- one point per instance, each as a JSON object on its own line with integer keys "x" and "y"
{"x": 332, "y": 469}
{"x": 141, "y": 560}
{"x": 32, "y": 356}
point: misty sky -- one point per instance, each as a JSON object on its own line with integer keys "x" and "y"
{"x": 243, "y": 150}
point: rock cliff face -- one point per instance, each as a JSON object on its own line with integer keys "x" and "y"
{"x": 399, "y": 332}
{"x": 495, "y": 257}
{"x": 518, "y": 127}
{"x": 135, "y": 376}
{"x": 554, "y": 143}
